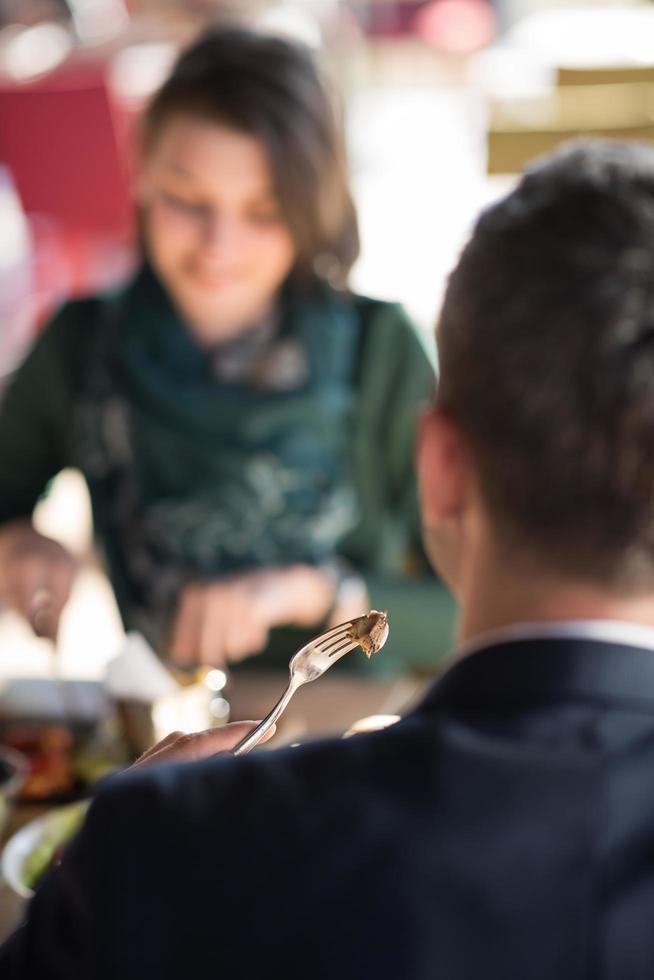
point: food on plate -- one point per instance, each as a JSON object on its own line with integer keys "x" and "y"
{"x": 49, "y": 751}
{"x": 62, "y": 763}
{"x": 60, "y": 827}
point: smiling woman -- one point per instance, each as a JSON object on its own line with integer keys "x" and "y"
{"x": 213, "y": 225}
{"x": 244, "y": 422}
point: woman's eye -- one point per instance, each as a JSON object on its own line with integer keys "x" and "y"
{"x": 180, "y": 204}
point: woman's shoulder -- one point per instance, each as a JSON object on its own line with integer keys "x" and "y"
{"x": 386, "y": 326}
{"x": 78, "y": 322}
{"x": 73, "y": 320}
{"x": 371, "y": 308}
{"x": 84, "y": 314}
{"x": 65, "y": 345}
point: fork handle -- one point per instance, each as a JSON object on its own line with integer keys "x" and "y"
{"x": 264, "y": 726}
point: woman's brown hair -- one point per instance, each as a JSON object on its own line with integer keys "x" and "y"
{"x": 270, "y": 88}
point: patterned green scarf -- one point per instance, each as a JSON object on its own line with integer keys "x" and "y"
{"x": 193, "y": 476}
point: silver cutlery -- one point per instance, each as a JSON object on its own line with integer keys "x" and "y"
{"x": 314, "y": 658}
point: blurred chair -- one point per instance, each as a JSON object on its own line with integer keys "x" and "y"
{"x": 605, "y": 74}
{"x": 594, "y": 66}
{"x": 521, "y": 129}
{"x": 60, "y": 138}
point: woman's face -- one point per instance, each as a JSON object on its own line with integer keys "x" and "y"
{"x": 213, "y": 226}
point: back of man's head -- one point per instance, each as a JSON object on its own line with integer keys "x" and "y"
{"x": 546, "y": 346}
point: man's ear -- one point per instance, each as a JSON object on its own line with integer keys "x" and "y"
{"x": 443, "y": 469}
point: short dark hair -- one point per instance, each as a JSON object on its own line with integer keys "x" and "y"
{"x": 271, "y": 88}
{"x": 546, "y": 344}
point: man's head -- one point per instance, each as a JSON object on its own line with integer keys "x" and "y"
{"x": 545, "y": 412}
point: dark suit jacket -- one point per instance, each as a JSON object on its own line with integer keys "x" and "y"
{"x": 504, "y": 829}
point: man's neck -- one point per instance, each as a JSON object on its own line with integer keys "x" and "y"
{"x": 494, "y": 598}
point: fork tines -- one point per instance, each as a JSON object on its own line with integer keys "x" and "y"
{"x": 337, "y": 641}
{"x": 348, "y": 645}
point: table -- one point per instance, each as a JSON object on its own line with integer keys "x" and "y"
{"x": 327, "y": 707}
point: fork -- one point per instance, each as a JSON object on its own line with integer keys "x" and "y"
{"x": 310, "y": 662}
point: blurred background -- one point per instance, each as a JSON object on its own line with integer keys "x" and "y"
{"x": 444, "y": 101}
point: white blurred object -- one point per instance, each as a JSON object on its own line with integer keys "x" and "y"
{"x": 506, "y": 71}
{"x": 91, "y": 629}
{"x": 293, "y": 20}
{"x": 137, "y": 71}
{"x": 96, "y": 21}
{"x": 14, "y": 233}
{"x": 587, "y": 36}
{"x": 524, "y": 63}
{"x": 371, "y": 723}
{"x": 16, "y": 285}
{"x": 36, "y": 50}
{"x": 151, "y": 703}
{"x": 186, "y": 710}
{"x": 136, "y": 673}
{"x": 54, "y": 702}
{"x": 65, "y": 514}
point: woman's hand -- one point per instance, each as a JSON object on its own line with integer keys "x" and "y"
{"x": 228, "y": 620}
{"x": 178, "y": 747}
{"x": 36, "y": 576}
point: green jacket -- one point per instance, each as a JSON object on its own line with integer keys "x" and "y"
{"x": 390, "y": 378}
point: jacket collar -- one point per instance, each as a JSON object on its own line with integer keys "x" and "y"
{"x": 545, "y": 669}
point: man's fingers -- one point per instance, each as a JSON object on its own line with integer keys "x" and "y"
{"x": 170, "y": 739}
{"x": 200, "y": 745}
{"x": 213, "y": 741}
{"x": 216, "y": 740}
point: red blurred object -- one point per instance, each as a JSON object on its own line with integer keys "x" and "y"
{"x": 49, "y": 753}
{"x": 64, "y": 140}
{"x": 456, "y": 26}
{"x": 387, "y": 18}
{"x": 59, "y": 138}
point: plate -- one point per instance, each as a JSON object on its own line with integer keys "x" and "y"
{"x": 43, "y": 830}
